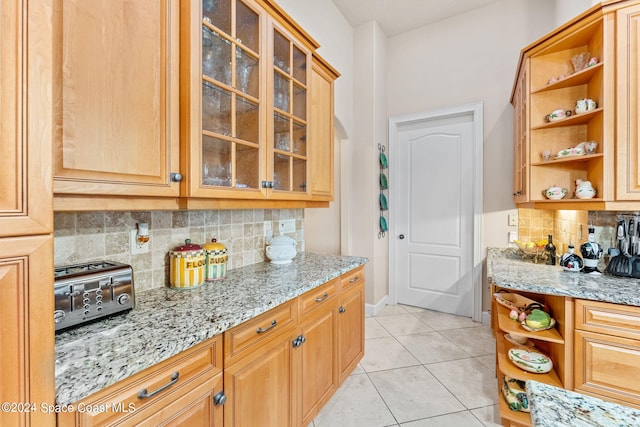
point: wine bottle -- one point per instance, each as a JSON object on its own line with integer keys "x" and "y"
{"x": 550, "y": 248}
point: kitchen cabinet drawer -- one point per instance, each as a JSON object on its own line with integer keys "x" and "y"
{"x": 611, "y": 319}
{"x": 353, "y": 278}
{"x": 608, "y": 367}
{"x": 319, "y": 297}
{"x": 250, "y": 335}
{"x": 164, "y": 383}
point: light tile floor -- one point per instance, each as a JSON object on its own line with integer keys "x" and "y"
{"x": 420, "y": 368}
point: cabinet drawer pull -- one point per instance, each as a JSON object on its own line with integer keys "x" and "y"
{"x": 274, "y": 323}
{"x": 143, "y": 394}
{"x": 322, "y": 298}
{"x": 354, "y": 279}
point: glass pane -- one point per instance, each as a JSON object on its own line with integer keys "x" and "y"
{"x": 281, "y": 52}
{"x": 280, "y": 132}
{"x": 299, "y": 138}
{"x": 247, "y": 120}
{"x": 281, "y": 172}
{"x": 299, "y": 175}
{"x": 216, "y": 56}
{"x": 247, "y": 27}
{"x": 299, "y": 65}
{"x": 216, "y": 161}
{"x": 216, "y": 109}
{"x": 280, "y": 92}
{"x": 247, "y": 73}
{"x": 218, "y": 13}
{"x": 248, "y": 166}
{"x": 299, "y": 102}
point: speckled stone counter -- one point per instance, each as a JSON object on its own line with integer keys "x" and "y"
{"x": 554, "y": 407}
{"x": 506, "y": 269}
{"x": 166, "y": 322}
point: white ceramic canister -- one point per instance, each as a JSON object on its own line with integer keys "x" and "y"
{"x": 216, "y": 261}
{"x": 186, "y": 266}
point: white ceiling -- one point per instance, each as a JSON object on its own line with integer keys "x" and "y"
{"x": 398, "y": 16}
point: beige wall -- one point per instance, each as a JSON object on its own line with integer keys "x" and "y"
{"x": 464, "y": 59}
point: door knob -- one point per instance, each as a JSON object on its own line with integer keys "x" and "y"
{"x": 401, "y": 237}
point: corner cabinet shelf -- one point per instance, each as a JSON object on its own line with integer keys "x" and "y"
{"x": 547, "y": 81}
{"x": 557, "y": 343}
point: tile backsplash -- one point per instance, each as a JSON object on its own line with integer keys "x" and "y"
{"x": 90, "y": 236}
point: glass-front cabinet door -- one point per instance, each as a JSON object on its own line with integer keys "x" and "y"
{"x": 231, "y": 101}
{"x": 290, "y": 74}
{"x": 226, "y": 131}
{"x": 244, "y": 85}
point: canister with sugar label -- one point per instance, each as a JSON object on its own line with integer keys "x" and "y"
{"x": 216, "y": 260}
{"x": 187, "y": 266}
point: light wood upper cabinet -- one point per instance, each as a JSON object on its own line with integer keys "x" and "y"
{"x": 117, "y": 97}
{"x": 249, "y": 106}
{"x": 321, "y": 130}
{"x": 26, "y": 127}
{"x": 520, "y": 100}
{"x": 628, "y": 167}
{"x": 192, "y": 104}
{"x": 608, "y": 33}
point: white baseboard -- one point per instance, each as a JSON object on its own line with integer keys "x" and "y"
{"x": 486, "y": 318}
{"x": 373, "y": 309}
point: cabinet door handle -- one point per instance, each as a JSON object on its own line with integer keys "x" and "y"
{"x": 354, "y": 279}
{"x": 300, "y": 339}
{"x": 220, "y": 399}
{"x": 341, "y": 309}
{"x": 176, "y": 177}
{"x": 144, "y": 394}
{"x": 322, "y": 298}
{"x": 274, "y": 323}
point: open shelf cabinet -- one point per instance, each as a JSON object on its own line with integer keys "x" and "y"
{"x": 557, "y": 343}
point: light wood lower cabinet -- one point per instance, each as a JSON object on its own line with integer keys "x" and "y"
{"x": 260, "y": 387}
{"x": 286, "y": 379}
{"x": 280, "y": 368}
{"x": 350, "y": 323}
{"x": 183, "y": 390}
{"x": 319, "y": 379}
{"x": 607, "y": 351}
{"x": 26, "y": 330}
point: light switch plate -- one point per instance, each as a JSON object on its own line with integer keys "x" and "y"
{"x": 513, "y": 220}
{"x": 513, "y": 236}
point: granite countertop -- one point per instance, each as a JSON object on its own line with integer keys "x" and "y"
{"x": 166, "y": 322}
{"x": 506, "y": 269}
{"x": 553, "y": 407}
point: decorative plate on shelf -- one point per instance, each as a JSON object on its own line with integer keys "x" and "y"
{"x": 530, "y": 361}
{"x": 515, "y": 301}
{"x": 530, "y": 329}
{"x": 528, "y": 343}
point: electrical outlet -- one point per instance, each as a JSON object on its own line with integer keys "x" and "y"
{"x": 513, "y": 236}
{"x": 287, "y": 225}
{"x": 137, "y": 247}
{"x": 513, "y": 220}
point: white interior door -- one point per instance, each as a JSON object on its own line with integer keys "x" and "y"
{"x": 434, "y": 216}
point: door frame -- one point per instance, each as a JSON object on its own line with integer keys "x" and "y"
{"x": 475, "y": 110}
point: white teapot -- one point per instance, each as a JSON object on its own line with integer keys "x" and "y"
{"x": 281, "y": 249}
{"x": 584, "y": 189}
